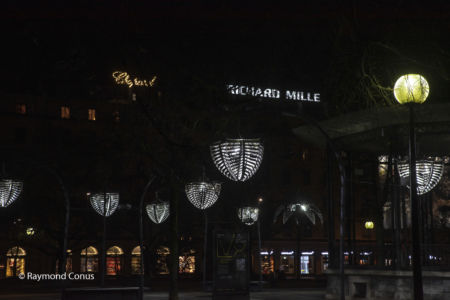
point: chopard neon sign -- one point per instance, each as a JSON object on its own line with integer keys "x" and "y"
{"x": 244, "y": 90}
{"x": 123, "y": 78}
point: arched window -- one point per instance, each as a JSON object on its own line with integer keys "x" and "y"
{"x": 114, "y": 256}
{"x": 15, "y": 261}
{"x": 136, "y": 260}
{"x": 161, "y": 260}
{"x": 89, "y": 260}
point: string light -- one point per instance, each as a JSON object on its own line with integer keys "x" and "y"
{"x": 158, "y": 212}
{"x": 203, "y": 194}
{"x": 98, "y": 203}
{"x": 9, "y": 191}
{"x": 237, "y": 159}
{"x": 429, "y": 173}
{"x": 248, "y": 214}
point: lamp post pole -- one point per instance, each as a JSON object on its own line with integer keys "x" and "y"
{"x": 416, "y": 253}
{"x": 259, "y": 253}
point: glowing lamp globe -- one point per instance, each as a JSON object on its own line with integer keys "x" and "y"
{"x": 102, "y": 208}
{"x": 203, "y": 194}
{"x": 237, "y": 159}
{"x": 9, "y": 191}
{"x": 411, "y": 88}
{"x": 158, "y": 212}
{"x": 369, "y": 225}
{"x": 248, "y": 215}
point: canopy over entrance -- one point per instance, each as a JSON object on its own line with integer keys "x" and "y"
{"x": 377, "y": 130}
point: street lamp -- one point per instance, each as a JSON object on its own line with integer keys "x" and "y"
{"x": 248, "y": 214}
{"x": 158, "y": 211}
{"x": 429, "y": 173}
{"x": 369, "y": 225}
{"x": 104, "y": 204}
{"x": 237, "y": 159}
{"x": 105, "y": 207}
{"x": 203, "y": 194}
{"x": 410, "y": 89}
{"x": 9, "y": 191}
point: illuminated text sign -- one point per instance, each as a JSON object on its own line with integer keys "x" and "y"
{"x": 123, "y": 78}
{"x": 244, "y": 90}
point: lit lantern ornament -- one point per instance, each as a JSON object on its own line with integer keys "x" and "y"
{"x": 248, "y": 215}
{"x": 237, "y": 159}
{"x": 298, "y": 209}
{"x": 30, "y": 231}
{"x": 9, "y": 191}
{"x": 411, "y": 88}
{"x": 369, "y": 225}
{"x": 429, "y": 173}
{"x": 158, "y": 212}
{"x": 102, "y": 208}
{"x": 203, "y": 194}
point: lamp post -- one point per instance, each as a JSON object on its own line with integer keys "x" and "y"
{"x": 104, "y": 204}
{"x": 249, "y": 215}
{"x": 410, "y": 89}
{"x": 203, "y": 194}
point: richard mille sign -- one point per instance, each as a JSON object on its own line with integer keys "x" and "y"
{"x": 244, "y": 90}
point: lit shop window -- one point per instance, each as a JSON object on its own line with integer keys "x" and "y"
{"x": 68, "y": 262}
{"x": 325, "y": 261}
{"x": 91, "y": 114}
{"x": 136, "y": 261}
{"x": 161, "y": 260}
{"x": 15, "y": 261}
{"x": 65, "y": 112}
{"x": 307, "y": 263}
{"x": 21, "y": 109}
{"x": 187, "y": 264}
{"x": 89, "y": 260}
{"x": 267, "y": 262}
{"x": 287, "y": 262}
{"x": 114, "y": 256}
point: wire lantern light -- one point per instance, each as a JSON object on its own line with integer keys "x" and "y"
{"x": 9, "y": 191}
{"x": 98, "y": 203}
{"x": 158, "y": 212}
{"x": 306, "y": 208}
{"x": 203, "y": 194}
{"x": 237, "y": 159}
{"x": 429, "y": 173}
{"x": 248, "y": 214}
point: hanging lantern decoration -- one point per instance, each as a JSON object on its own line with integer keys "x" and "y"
{"x": 298, "y": 209}
{"x": 248, "y": 214}
{"x": 9, "y": 191}
{"x": 203, "y": 194}
{"x": 158, "y": 211}
{"x": 237, "y": 159}
{"x": 429, "y": 173}
{"x": 102, "y": 208}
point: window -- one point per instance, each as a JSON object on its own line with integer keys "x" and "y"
{"x": 161, "y": 260}
{"x": 287, "y": 262}
{"x": 21, "y": 109}
{"x": 136, "y": 261}
{"x": 267, "y": 262}
{"x": 187, "y": 264}
{"x": 114, "y": 257}
{"x": 65, "y": 112}
{"x": 68, "y": 262}
{"x": 325, "y": 261}
{"x": 91, "y": 114}
{"x": 15, "y": 261}
{"x": 89, "y": 260}
{"x": 307, "y": 263}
